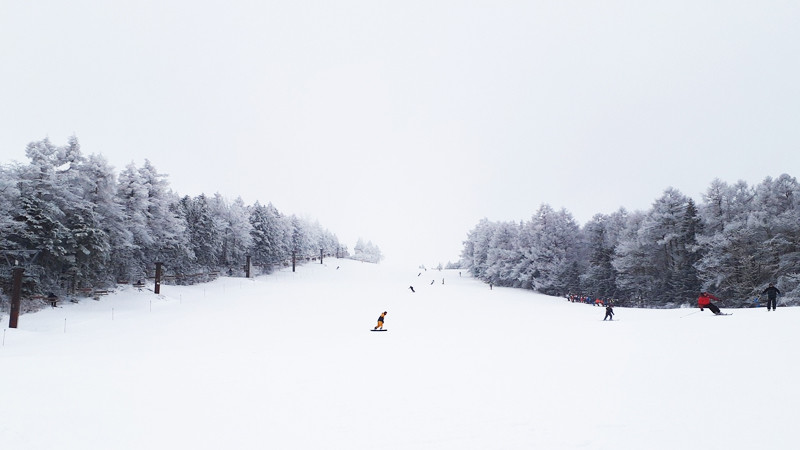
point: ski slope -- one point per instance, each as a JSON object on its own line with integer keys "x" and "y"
{"x": 287, "y": 361}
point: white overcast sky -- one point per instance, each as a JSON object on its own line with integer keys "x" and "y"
{"x": 406, "y": 122}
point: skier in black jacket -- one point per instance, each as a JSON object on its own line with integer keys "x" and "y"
{"x": 609, "y": 313}
{"x": 772, "y": 296}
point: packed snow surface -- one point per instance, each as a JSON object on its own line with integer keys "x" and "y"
{"x": 287, "y": 361}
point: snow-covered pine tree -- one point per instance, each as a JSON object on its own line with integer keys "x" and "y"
{"x": 101, "y": 191}
{"x": 165, "y": 222}
{"x": 664, "y": 250}
{"x": 503, "y": 255}
{"x": 368, "y": 252}
{"x": 551, "y": 239}
{"x": 9, "y": 194}
{"x": 599, "y": 278}
{"x": 631, "y": 261}
{"x": 39, "y": 211}
{"x": 237, "y": 238}
{"x": 94, "y": 219}
{"x": 270, "y": 235}
{"x": 131, "y": 261}
{"x": 299, "y": 238}
{"x": 476, "y": 248}
{"x": 205, "y": 236}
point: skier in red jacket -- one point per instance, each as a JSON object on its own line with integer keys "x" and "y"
{"x": 704, "y": 301}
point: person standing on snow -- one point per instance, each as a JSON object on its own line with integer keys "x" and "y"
{"x": 772, "y": 296}
{"x": 380, "y": 321}
{"x": 609, "y": 313}
{"x": 704, "y": 301}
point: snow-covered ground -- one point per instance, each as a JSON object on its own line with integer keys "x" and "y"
{"x": 287, "y": 361}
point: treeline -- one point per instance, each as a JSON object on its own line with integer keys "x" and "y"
{"x": 734, "y": 243}
{"x": 368, "y": 252}
{"x": 94, "y": 228}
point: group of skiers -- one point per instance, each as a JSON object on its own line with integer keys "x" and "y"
{"x": 704, "y": 300}
{"x": 574, "y": 298}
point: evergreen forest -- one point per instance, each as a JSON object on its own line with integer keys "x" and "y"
{"x": 733, "y": 244}
{"x": 89, "y": 227}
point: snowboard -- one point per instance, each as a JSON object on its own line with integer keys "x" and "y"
{"x": 378, "y": 330}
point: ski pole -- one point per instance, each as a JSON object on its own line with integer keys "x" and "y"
{"x": 687, "y": 315}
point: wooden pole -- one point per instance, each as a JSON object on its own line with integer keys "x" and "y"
{"x": 320, "y": 256}
{"x": 294, "y": 260}
{"x": 247, "y": 267}
{"x": 157, "y": 288}
{"x": 16, "y": 296}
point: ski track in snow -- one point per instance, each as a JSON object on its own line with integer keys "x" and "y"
{"x": 286, "y": 361}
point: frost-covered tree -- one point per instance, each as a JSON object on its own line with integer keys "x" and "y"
{"x": 599, "y": 278}
{"x": 101, "y": 191}
{"x": 655, "y": 260}
{"x": 97, "y": 222}
{"x": 94, "y": 227}
{"x": 39, "y": 211}
{"x": 476, "y": 248}
{"x": 299, "y": 238}
{"x": 503, "y": 256}
{"x": 550, "y": 251}
{"x": 367, "y": 252}
{"x": 236, "y": 230}
{"x": 734, "y": 243}
{"x": 272, "y": 236}
{"x": 165, "y": 222}
{"x": 9, "y": 193}
{"x": 131, "y": 261}
{"x": 155, "y": 220}
{"x": 758, "y": 244}
{"x": 205, "y": 235}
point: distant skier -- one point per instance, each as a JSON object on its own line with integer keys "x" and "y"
{"x": 772, "y": 296}
{"x": 609, "y": 313}
{"x": 704, "y": 301}
{"x": 379, "y": 326}
{"x": 433, "y": 281}
{"x": 412, "y": 288}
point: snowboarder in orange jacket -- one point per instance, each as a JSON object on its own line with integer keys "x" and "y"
{"x": 380, "y": 321}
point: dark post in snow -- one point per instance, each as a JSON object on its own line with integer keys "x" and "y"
{"x": 16, "y": 294}
{"x": 247, "y": 267}
{"x": 294, "y": 260}
{"x": 157, "y": 289}
{"x": 320, "y": 256}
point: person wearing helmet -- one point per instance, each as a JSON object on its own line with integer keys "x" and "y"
{"x": 704, "y": 301}
{"x": 380, "y": 321}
